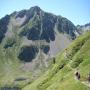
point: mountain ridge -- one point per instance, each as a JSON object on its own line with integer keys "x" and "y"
{"x": 29, "y": 41}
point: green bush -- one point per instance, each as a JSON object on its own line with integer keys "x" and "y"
{"x": 76, "y": 62}
{"x": 9, "y": 42}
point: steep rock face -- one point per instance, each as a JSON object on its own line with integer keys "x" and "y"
{"x": 36, "y": 32}
{"x": 66, "y": 26}
{"x": 28, "y": 53}
{"x": 3, "y": 26}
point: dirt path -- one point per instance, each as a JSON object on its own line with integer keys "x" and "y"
{"x": 86, "y": 83}
{"x": 83, "y": 82}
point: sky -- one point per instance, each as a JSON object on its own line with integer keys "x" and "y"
{"x": 77, "y": 11}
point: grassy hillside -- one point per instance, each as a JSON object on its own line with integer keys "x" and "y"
{"x": 61, "y": 75}
{"x": 10, "y": 66}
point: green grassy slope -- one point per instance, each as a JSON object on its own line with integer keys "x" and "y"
{"x": 76, "y": 56}
{"x": 10, "y": 67}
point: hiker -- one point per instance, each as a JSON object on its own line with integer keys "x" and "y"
{"x": 88, "y": 77}
{"x": 77, "y": 74}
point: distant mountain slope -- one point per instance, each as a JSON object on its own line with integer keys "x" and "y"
{"x": 83, "y": 28}
{"x": 61, "y": 75}
{"x": 28, "y": 41}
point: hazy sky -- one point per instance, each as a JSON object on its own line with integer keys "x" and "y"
{"x": 78, "y": 11}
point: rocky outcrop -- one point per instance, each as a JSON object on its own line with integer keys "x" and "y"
{"x": 3, "y": 26}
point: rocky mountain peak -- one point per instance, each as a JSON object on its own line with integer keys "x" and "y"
{"x": 35, "y": 8}
{"x": 38, "y": 35}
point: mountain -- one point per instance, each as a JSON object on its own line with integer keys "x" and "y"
{"x": 83, "y": 28}
{"x": 61, "y": 75}
{"x": 29, "y": 39}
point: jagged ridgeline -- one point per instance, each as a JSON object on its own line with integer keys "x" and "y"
{"x": 28, "y": 41}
